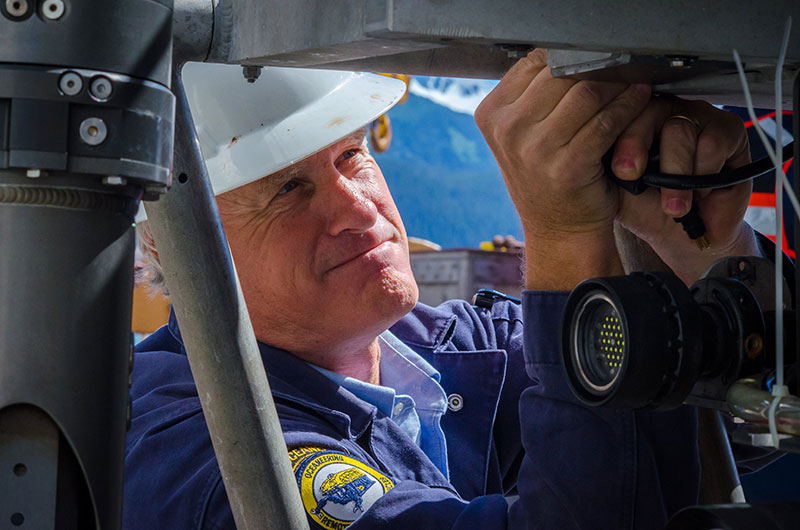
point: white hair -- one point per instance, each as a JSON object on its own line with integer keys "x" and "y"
{"x": 151, "y": 272}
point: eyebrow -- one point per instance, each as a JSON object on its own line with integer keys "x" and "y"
{"x": 274, "y": 180}
{"x": 358, "y": 135}
{"x": 278, "y": 178}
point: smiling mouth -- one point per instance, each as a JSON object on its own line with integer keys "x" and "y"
{"x": 357, "y": 256}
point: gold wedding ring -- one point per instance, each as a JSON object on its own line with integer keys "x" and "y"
{"x": 687, "y": 118}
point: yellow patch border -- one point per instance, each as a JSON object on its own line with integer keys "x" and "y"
{"x": 306, "y": 461}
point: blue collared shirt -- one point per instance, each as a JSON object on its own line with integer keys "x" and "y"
{"x": 409, "y": 394}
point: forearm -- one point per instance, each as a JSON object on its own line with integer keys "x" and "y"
{"x": 558, "y": 262}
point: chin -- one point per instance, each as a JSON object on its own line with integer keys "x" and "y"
{"x": 398, "y": 294}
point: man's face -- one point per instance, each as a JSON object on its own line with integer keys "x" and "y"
{"x": 321, "y": 251}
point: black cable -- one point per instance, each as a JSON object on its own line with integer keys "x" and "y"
{"x": 653, "y": 178}
{"x": 692, "y": 222}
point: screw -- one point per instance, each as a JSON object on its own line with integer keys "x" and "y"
{"x": 251, "y": 73}
{"x": 35, "y": 173}
{"x": 70, "y": 83}
{"x": 114, "y": 180}
{"x": 101, "y": 88}
{"x": 17, "y": 8}
{"x": 53, "y": 9}
{"x": 676, "y": 63}
{"x": 753, "y": 345}
{"x": 93, "y": 131}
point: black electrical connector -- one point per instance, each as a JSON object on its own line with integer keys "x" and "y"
{"x": 694, "y": 227}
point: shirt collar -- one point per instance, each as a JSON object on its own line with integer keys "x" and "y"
{"x": 423, "y": 326}
{"x": 293, "y": 379}
{"x": 426, "y": 326}
{"x": 397, "y": 360}
{"x": 400, "y": 352}
{"x": 380, "y": 396}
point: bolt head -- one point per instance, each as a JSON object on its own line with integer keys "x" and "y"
{"x": 17, "y": 8}
{"x": 101, "y": 88}
{"x": 53, "y": 9}
{"x": 70, "y": 83}
{"x": 251, "y": 73}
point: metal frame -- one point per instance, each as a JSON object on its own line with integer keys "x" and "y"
{"x": 682, "y": 46}
{"x": 471, "y": 38}
{"x": 220, "y": 344}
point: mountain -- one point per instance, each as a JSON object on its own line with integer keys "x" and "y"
{"x": 442, "y": 175}
{"x": 459, "y": 95}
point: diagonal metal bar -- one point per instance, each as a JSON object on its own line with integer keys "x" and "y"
{"x": 219, "y": 340}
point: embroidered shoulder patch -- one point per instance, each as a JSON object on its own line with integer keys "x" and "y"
{"x": 336, "y": 488}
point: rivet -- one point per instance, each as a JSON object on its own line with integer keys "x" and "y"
{"x": 455, "y": 402}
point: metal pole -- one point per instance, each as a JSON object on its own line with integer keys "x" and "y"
{"x": 796, "y": 186}
{"x": 86, "y": 127}
{"x": 192, "y": 30}
{"x": 720, "y": 482}
{"x": 219, "y": 340}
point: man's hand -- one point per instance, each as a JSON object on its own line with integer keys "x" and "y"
{"x": 548, "y": 136}
{"x": 707, "y": 141}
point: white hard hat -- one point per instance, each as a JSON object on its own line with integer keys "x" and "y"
{"x": 250, "y": 130}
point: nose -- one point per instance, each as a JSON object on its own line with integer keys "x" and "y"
{"x": 348, "y": 206}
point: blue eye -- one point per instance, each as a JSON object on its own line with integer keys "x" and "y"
{"x": 350, "y": 153}
{"x": 289, "y": 186}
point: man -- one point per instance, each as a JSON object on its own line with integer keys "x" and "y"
{"x": 433, "y": 423}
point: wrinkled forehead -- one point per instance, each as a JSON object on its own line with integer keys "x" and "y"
{"x": 355, "y": 138}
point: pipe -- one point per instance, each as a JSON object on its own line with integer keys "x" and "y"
{"x": 219, "y": 341}
{"x": 192, "y": 30}
{"x": 747, "y": 401}
{"x": 720, "y": 482}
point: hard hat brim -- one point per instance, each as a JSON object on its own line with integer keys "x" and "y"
{"x": 246, "y": 136}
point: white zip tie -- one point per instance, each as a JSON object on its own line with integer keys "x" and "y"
{"x": 762, "y": 135}
{"x": 779, "y": 390}
{"x": 779, "y": 209}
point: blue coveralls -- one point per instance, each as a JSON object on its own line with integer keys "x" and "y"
{"x": 520, "y": 431}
